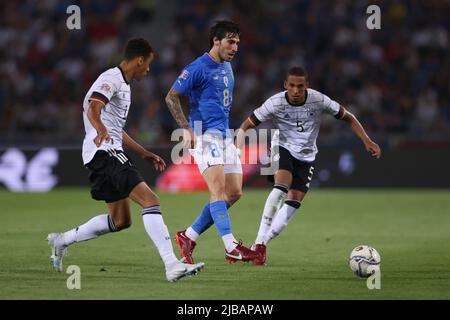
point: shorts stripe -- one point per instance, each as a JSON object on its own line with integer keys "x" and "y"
{"x": 118, "y": 155}
{"x": 121, "y": 156}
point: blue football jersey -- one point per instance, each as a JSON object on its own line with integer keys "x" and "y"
{"x": 209, "y": 86}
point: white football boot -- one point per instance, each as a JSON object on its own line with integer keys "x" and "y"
{"x": 178, "y": 270}
{"x": 59, "y": 250}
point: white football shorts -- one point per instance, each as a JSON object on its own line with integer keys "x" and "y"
{"x": 212, "y": 150}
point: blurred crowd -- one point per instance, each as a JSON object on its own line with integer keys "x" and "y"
{"x": 396, "y": 79}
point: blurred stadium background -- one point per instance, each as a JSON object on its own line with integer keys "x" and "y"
{"x": 396, "y": 80}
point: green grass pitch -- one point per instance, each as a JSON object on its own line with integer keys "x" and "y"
{"x": 410, "y": 229}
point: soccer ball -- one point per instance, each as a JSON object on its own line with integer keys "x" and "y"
{"x": 364, "y": 261}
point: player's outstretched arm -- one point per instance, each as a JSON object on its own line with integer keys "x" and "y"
{"x": 240, "y": 138}
{"x": 93, "y": 114}
{"x": 156, "y": 160}
{"x": 357, "y": 128}
{"x": 173, "y": 101}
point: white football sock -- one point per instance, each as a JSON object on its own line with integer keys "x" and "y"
{"x": 158, "y": 232}
{"x": 282, "y": 219}
{"x": 191, "y": 234}
{"x": 230, "y": 242}
{"x": 95, "y": 227}
{"x": 273, "y": 204}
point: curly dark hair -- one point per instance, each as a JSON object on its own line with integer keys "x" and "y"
{"x": 221, "y": 28}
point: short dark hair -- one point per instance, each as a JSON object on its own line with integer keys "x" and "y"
{"x": 297, "y": 71}
{"x": 221, "y": 29}
{"x": 137, "y": 47}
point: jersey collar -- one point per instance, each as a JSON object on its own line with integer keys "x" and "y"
{"x": 296, "y": 105}
{"x": 123, "y": 75}
{"x": 209, "y": 60}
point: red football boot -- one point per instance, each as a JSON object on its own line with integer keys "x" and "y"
{"x": 260, "y": 249}
{"x": 186, "y": 246}
{"x": 242, "y": 253}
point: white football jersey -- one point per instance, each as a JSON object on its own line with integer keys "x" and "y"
{"x": 113, "y": 90}
{"x": 299, "y": 125}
